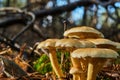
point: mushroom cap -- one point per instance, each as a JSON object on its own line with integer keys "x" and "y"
{"x": 83, "y": 32}
{"x": 69, "y": 43}
{"x": 94, "y": 53}
{"x": 117, "y": 45}
{"x": 87, "y": 44}
{"x": 47, "y": 43}
{"x": 103, "y": 43}
{"x": 75, "y": 70}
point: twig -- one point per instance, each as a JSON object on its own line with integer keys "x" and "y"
{"x": 6, "y": 51}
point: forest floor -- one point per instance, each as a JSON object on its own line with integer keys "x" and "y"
{"x": 16, "y": 65}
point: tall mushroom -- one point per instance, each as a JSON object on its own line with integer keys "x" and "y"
{"x": 70, "y": 45}
{"x": 83, "y": 32}
{"x": 50, "y": 45}
{"x": 96, "y": 58}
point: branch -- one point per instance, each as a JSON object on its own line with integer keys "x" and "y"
{"x": 11, "y": 20}
{"x": 45, "y": 12}
{"x": 71, "y": 6}
{"x": 61, "y": 9}
{"x": 105, "y": 3}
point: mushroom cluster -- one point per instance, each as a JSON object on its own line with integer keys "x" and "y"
{"x": 89, "y": 52}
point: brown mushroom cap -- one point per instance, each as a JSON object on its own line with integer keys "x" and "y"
{"x": 77, "y": 73}
{"x": 75, "y": 70}
{"x": 87, "y": 44}
{"x": 83, "y": 33}
{"x": 104, "y": 43}
{"x": 67, "y": 43}
{"x": 47, "y": 43}
{"x": 94, "y": 52}
{"x": 117, "y": 46}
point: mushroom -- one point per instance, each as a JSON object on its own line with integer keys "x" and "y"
{"x": 104, "y": 43}
{"x": 70, "y": 45}
{"x": 117, "y": 46}
{"x": 83, "y": 32}
{"x": 87, "y": 44}
{"x": 96, "y": 58}
{"x": 76, "y": 72}
{"x": 50, "y": 45}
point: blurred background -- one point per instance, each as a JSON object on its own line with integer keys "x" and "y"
{"x": 51, "y": 17}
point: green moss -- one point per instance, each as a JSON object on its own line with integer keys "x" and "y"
{"x": 43, "y": 65}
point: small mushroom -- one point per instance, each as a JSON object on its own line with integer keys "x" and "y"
{"x": 50, "y": 45}
{"x": 83, "y": 32}
{"x": 76, "y": 72}
{"x": 96, "y": 58}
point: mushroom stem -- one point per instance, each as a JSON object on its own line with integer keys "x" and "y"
{"x": 76, "y": 63}
{"x": 55, "y": 64}
{"x": 84, "y": 66}
{"x": 75, "y": 76}
{"x": 94, "y": 66}
{"x": 82, "y": 75}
